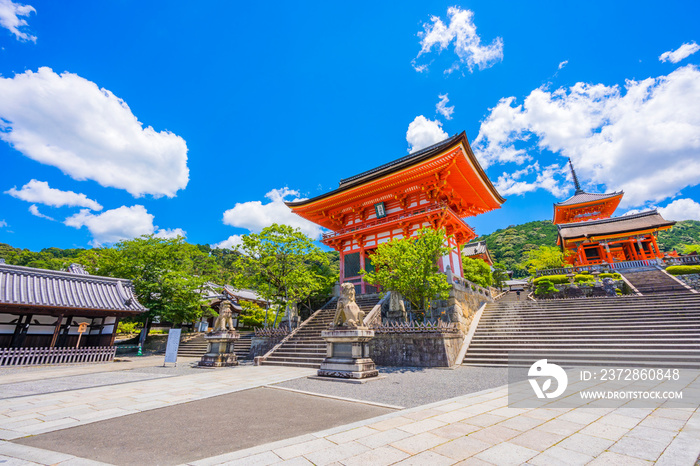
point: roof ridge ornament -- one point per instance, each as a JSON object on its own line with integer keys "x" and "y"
{"x": 576, "y": 183}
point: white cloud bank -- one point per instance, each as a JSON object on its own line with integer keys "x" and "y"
{"x": 467, "y": 44}
{"x": 423, "y": 133}
{"x": 254, "y": 215}
{"x": 39, "y": 191}
{"x": 119, "y": 224}
{"x": 644, "y": 141}
{"x": 229, "y": 243}
{"x": 681, "y": 209}
{"x": 680, "y": 53}
{"x": 89, "y": 133}
{"x": 10, "y": 19}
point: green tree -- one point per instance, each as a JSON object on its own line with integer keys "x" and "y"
{"x": 477, "y": 271}
{"x": 252, "y": 315}
{"x": 283, "y": 265}
{"x": 168, "y": 274}
{"x": 499, "y": 274}
{"x": 690, "y": 248}
{"x": 410, "y": 266}
{"x": 545, "y": 257}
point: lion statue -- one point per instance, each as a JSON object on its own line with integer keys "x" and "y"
{"x": 348, "y": 313}
{"x": 225, "y": 318}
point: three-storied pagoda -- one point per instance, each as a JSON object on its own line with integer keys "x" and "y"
{"x": 435, "y": 187}
{"x": 591, "y": 236}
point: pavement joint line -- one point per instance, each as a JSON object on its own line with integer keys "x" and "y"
{"x": 333, "y": 397}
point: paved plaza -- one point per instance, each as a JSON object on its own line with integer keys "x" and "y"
{"x": 252, "y": 416}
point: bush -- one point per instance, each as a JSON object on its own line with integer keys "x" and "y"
{"x": 545, "y": 287}
{"x": 558, "y": 279}
{"x": 683, "y": 269}
{"x": 127, "y": 327}
{"x": 583, "y": 278}
{"x": 614, "y": 276}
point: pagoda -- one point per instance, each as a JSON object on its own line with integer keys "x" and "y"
{"x": 584, "y": 206}
{"x": 435, "y": 187}
{"x": 591, "y": 236}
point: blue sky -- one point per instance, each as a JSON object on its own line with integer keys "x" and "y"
{"x": 124, "y": 118}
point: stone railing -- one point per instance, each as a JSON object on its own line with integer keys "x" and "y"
{"x": 417, "y": 327}
{"x": 271, "y": 332}
{"x": 374, "y": 317}
{"x": 693, "y": 259}
{"x": 604, "y": 267}
{"x": 478, "y": 289}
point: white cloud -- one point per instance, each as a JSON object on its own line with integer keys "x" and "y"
{"x": 39, "y": 191}
{"x": 167, "y": 233}
{"x": 644, "y": 141}
{"x": 229, "y": 243}
{"x": 34, "y": 210}
{"x": 680, "y": 53}
{"x": 563, "y": 64}
{"x": 10, "y": 14}
{"x": 442, "y": 107}
{"x": 423, "y": 133}
{"x": 89, "y": 133}
{"x": 681, "y": 209}
{"x": 467, "y": 44}
{"x": 254, "y": 215}
{"x": 550, "y": 179}
{"x": 3, "y": 223}
{"x": 114, "y": 225}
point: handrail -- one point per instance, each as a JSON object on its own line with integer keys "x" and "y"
{"x": 259, "y": 359}
{"x": 376, "y": 310}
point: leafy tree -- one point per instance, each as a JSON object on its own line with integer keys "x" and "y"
{"x": 477, "y": 271}
{"x": 690, "y": 248}
{"x": 545, "y": 257}
{"x": 282, "y": 264}
{"x": 168, "y": 274}
{"x": 499, "y": 275}
{"x": 410, "y": 266}
{"x": 252, "y": 315}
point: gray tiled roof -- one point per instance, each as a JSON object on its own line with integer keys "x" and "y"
{"x": 27, "y": 286}
{"x": 624, "y": 224}
{"x": 580, "y": 198}
{"x": 475, "y": 248}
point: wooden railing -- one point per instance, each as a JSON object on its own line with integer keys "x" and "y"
{"x": 35, "y": 356}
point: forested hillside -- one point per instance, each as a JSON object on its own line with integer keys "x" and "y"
{"x": 683, "y": 232}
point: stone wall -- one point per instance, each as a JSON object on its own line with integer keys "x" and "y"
{"x": 691, "y": 279}
{"x": 415, "y": 349}
{"x": 585, "y": 290}
{"x": 261, "y": 345}
{"x": 461, "y": 306}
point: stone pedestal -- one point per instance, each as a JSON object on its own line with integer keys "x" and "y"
{"x": 348, "y": 354}
{"x": 220, "y": 352}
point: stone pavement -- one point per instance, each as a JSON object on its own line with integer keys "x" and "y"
{"x": 478, "y": 428}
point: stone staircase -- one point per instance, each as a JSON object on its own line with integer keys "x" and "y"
{"x": 195, "y": 346}
{"x": 306, "y": 348}
{"x": 654, "y": 281}
{"x": 653, "y": 331}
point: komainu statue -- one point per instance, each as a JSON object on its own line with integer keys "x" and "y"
{"x": 225, "y": 318}
{"x": 348, "y": 313}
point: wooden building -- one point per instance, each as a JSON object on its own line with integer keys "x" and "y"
{"x": 435, "y": 187}
{"x": 478, "y": 250}
{"x": 44, "y": 308}
{"x": 619, "y": 239}
{"x": 591, "y": 236}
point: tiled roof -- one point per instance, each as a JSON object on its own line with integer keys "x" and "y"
{"x": 403, "y": 161}
{"x": 28, "y": 286}
{"x": 624, "y": 224}
{"x": 583, "y": 197}
{"x": 244, "y": 294}
{"x": 475, "y": 248}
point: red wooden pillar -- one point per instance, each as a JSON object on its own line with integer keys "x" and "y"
{"x": 657, "y": 252}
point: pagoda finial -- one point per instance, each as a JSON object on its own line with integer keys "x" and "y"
{"x": 573, "y": 173}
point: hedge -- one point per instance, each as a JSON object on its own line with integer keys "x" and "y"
{"x": 683, "y": 269}
{"x": 584, "y": 278}
{"x": 552, "y": 278}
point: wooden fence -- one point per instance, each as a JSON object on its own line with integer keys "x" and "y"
{"x": 35, "y": 356}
